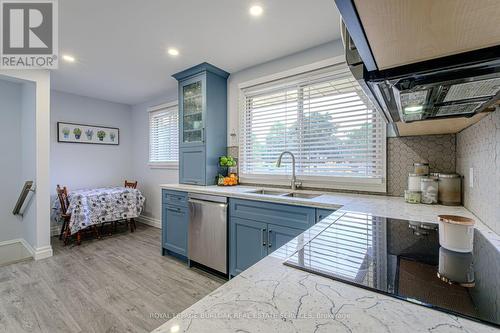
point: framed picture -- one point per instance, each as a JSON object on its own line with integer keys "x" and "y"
{"x": 80, "y": 133}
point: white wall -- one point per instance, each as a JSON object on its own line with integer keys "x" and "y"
{"x": 88, "y": 165}
{"x": 149, "y": 178}
{"x": 28, "y": 158}
{"x": 304, "y": 58}
{"x": 39, "y": 222}
{"x": 10, "y": 161}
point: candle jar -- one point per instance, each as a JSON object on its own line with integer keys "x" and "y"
{"x": 421, "y": 168}
{"x": 450, "y": 189}
{"x": 429, "y": 188}
{"x": 413, "y": 197}
{"x": 414, "y": 181}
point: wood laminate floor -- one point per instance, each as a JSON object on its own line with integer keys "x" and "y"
{"x": 117, "y": 284}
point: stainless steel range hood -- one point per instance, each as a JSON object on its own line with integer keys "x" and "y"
{"x": 454, "y": 87}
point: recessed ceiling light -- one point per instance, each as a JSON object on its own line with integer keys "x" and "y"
{"x": 173, "y": 51}
{"x": 68, "y": 58}
{"x": 256, "y": 10}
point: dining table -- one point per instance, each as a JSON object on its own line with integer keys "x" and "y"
{"x": 94, "y": 206}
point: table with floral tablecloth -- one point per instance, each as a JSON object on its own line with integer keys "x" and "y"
{"x": 98, "y": 205}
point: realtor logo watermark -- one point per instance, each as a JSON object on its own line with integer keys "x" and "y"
{"x": 28, "y": 35}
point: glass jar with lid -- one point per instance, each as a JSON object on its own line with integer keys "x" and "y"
{"x": 414, "y": 181}
{"x": 421, "y": 168}
{"x": 429, "y": 188}
{"x": 450, "y": 189}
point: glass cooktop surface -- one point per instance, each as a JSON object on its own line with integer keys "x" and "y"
{"x": 403, "y": 259}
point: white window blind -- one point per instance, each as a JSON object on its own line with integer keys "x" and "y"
{"x": 323, "y": 117}
{"x": 164, "y": 135}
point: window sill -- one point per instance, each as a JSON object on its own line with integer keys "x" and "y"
{"x": 164, "y": 165}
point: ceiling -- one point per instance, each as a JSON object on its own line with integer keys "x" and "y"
{"x": 120, "y": 46}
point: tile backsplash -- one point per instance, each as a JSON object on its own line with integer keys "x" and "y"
{"x": 478, "y": 147}
{"x": 438, "y": 150}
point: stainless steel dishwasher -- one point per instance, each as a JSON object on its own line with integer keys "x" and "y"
{"x": 207, "y": 241}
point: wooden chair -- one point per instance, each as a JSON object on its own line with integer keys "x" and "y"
{"x": 62, "y": 194}
{"x": 132, "y": 221}
{"x": 130, "y": 184}
{"x": 128, "y": 222}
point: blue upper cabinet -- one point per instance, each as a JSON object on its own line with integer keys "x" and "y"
{"x": 202, "y": 123}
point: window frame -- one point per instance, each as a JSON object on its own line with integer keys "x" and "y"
{"x": 174, "y": 165}
{"x": 318, "y": 182}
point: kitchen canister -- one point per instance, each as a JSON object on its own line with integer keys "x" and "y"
{"x": 414, "y": 197}
{"x": 414, "y": 181}
{"x": 421, "y": 168}
{"x": 456, "y": 233}
{"x": 456, "y": 268}
{"x": 429, "y": 188}
{"x": 450, "y": 189}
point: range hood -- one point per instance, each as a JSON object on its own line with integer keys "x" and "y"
{"x": 406, "y": 90}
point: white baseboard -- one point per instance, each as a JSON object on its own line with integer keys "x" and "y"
{"x": 149, "y": 221}
{"x": 39, "y": 252}
{"x": 14, "y": 250}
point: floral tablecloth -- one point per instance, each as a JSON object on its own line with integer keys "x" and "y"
{"x": 95, "y": 206}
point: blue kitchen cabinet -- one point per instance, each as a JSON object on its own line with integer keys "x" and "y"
{"x": 322, "y": 213}
{"x": 192, "y": 165}
{"x": 202, "y": 123}
{"x": 279, "y": 236}
{"x": 175, "y": 221}
{"x": 258, "y": 228}
{"x": 248, "y": 243}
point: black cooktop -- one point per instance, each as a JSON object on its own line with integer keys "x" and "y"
{"x": 403, "y": 259}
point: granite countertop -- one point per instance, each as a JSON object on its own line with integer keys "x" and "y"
{"x": 272, "y": 297}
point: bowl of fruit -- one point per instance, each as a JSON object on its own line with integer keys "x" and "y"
{"x": 230, "y": 180}
{"x": 227, "y": 166}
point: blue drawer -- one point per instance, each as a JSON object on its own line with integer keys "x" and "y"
{"x": 175, "y": 198}
{"x": 279, "y": 214}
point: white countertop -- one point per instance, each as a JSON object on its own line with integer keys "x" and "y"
{"x": 271, "y": 297}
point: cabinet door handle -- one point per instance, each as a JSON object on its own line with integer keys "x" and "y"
{"x": 269, "y": 239}
{"x": 177, "y": 210}
{"x": 263, "y": 237}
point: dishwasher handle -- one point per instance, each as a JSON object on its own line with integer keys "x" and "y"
{"x": 203, "y": 202}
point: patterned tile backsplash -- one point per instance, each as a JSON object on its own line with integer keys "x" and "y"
{"x": 438, "y": 150}
{"x": 478, "y": 147}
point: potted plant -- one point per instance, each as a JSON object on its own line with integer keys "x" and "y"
{"x": 101, "y": 135}
{"x": 112, "y": 136}
{"x": 89, "y": 133}
{"x": 77, "y": 132}
{"x": 65, "y": 132}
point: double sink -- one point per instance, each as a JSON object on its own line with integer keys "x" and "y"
{"x": 285, "y": 194}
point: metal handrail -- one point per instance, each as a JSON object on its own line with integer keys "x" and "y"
{"x": 28, "y": 187}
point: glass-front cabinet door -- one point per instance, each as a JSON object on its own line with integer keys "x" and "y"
{"x": 192, "y": 117}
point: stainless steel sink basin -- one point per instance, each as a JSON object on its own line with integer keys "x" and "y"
{"x": 268, "y": 192}
{"x": 285, "y": 194}
{"x": 301, "y": 195}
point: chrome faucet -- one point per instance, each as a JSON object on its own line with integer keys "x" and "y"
{"x": 294, "y": 183}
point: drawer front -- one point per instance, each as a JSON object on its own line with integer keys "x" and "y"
{"x": 175, "y": 198}
{"x": 279, "y": 214}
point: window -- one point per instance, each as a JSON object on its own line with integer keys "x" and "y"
{"x": 164, "y": 136}
{"x": 324, "y": 118}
